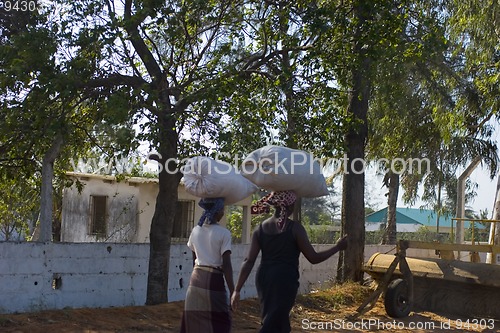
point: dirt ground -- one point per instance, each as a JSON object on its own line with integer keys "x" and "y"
{"x": 323, "y": 311}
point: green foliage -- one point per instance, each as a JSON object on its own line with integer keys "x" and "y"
{"x": 282, "y": 97}
{"x": 319, "y": 219}
{"x": 321, "y": 210}
{"x": 322, "y": 233}
{"x": 423, "y": 234}
{"x": 235, "y": 222}
{"x": 474, "y": 232}
{"x": 374, "y": 237}
{"x": 18, "y": 203}
{"x": 428, "y": 103}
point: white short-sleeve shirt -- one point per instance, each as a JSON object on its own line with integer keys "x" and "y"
{"x": 209, "y": 242}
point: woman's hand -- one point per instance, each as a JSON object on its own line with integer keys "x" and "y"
{"x": 235, "y": 300}
{"x": 342, "y": 243}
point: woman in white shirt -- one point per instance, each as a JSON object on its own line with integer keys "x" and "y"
{"x": 206, "y": 308}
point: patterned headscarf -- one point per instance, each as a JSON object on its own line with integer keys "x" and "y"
{"x": 280, "y": 199}
{"x": 211, "y": 206}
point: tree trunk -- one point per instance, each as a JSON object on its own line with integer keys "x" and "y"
{"x": 494, "y": 237}
{"x": 438, "y": 211}
{"x": 169, "y": 177}
{"x": 460, "y": 210}
{"x": 353, "y": 187}
{"x": 287, "y": 84}
{"x": 163, "y": 219}
{"x": 392, "y": 201}
{"x": 46, "y": 189}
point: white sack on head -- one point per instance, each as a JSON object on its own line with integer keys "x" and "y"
{"x": 205, "y": 177}
{"x": 276, "y": 168}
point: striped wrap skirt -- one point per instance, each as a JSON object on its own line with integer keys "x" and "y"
{"x": 206, "y": 308}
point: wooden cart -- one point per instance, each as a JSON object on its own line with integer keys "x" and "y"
{"x": 450, "y": 286}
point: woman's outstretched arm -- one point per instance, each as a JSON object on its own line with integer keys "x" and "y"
{"x": 308, "y": 250}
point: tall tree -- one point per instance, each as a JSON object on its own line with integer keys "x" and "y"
{"x": 420, "y": 107}
{"x": 289, "y": 96}
{"x": 353, "y": 205}
{"x": 170, "y": 60}
{"x": 283, "y": 83}
{"x": 474, "y": 29}
{"x": 400, "y": 116}
{"x": 361, "y": 37}
{"x": 44, "y": 117}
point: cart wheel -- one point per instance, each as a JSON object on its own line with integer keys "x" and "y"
{"x": 396, "y": 300}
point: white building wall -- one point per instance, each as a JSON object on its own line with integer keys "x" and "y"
{"x": 147, "y": 202}
{"x": 99, "y": 275}
{"x": 122, "y": 210}
{"x": 131, "y": 205}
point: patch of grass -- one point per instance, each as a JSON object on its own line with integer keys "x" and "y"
{"x": 339, "y": 295}
{"x": 5, "y": 322}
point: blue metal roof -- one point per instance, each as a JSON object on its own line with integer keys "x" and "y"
{"x": 424, "y": 217}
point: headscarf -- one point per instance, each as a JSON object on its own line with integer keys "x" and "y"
{"x": 279, "y": 199}
{"x": 211, "y": 206}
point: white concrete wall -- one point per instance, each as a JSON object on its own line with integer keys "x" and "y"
{"x": 114, "y": 274}
{"x": 92, "y": 275}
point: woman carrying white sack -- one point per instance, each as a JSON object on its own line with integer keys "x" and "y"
{"x": 206, "y": 308}
{"x": 281, "y": 241}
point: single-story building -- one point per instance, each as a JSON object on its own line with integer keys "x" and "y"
{"x": 107, "y": 209}
{"x": 412, "y": 219}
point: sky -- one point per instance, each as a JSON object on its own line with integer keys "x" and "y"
{"x": 486, "y": 190}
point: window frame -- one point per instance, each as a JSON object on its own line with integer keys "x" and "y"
{"x": 182, "y": 226}
{"x": 93, "y": 229}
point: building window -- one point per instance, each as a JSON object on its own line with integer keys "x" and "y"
{"x": 98, "y": 214}
{"x": 184, "y": 219}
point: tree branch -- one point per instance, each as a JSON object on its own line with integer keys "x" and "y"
{"x": 255, "y": 61}
{"x": 116, "y": 80}
{"x": 140, "y": 47}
